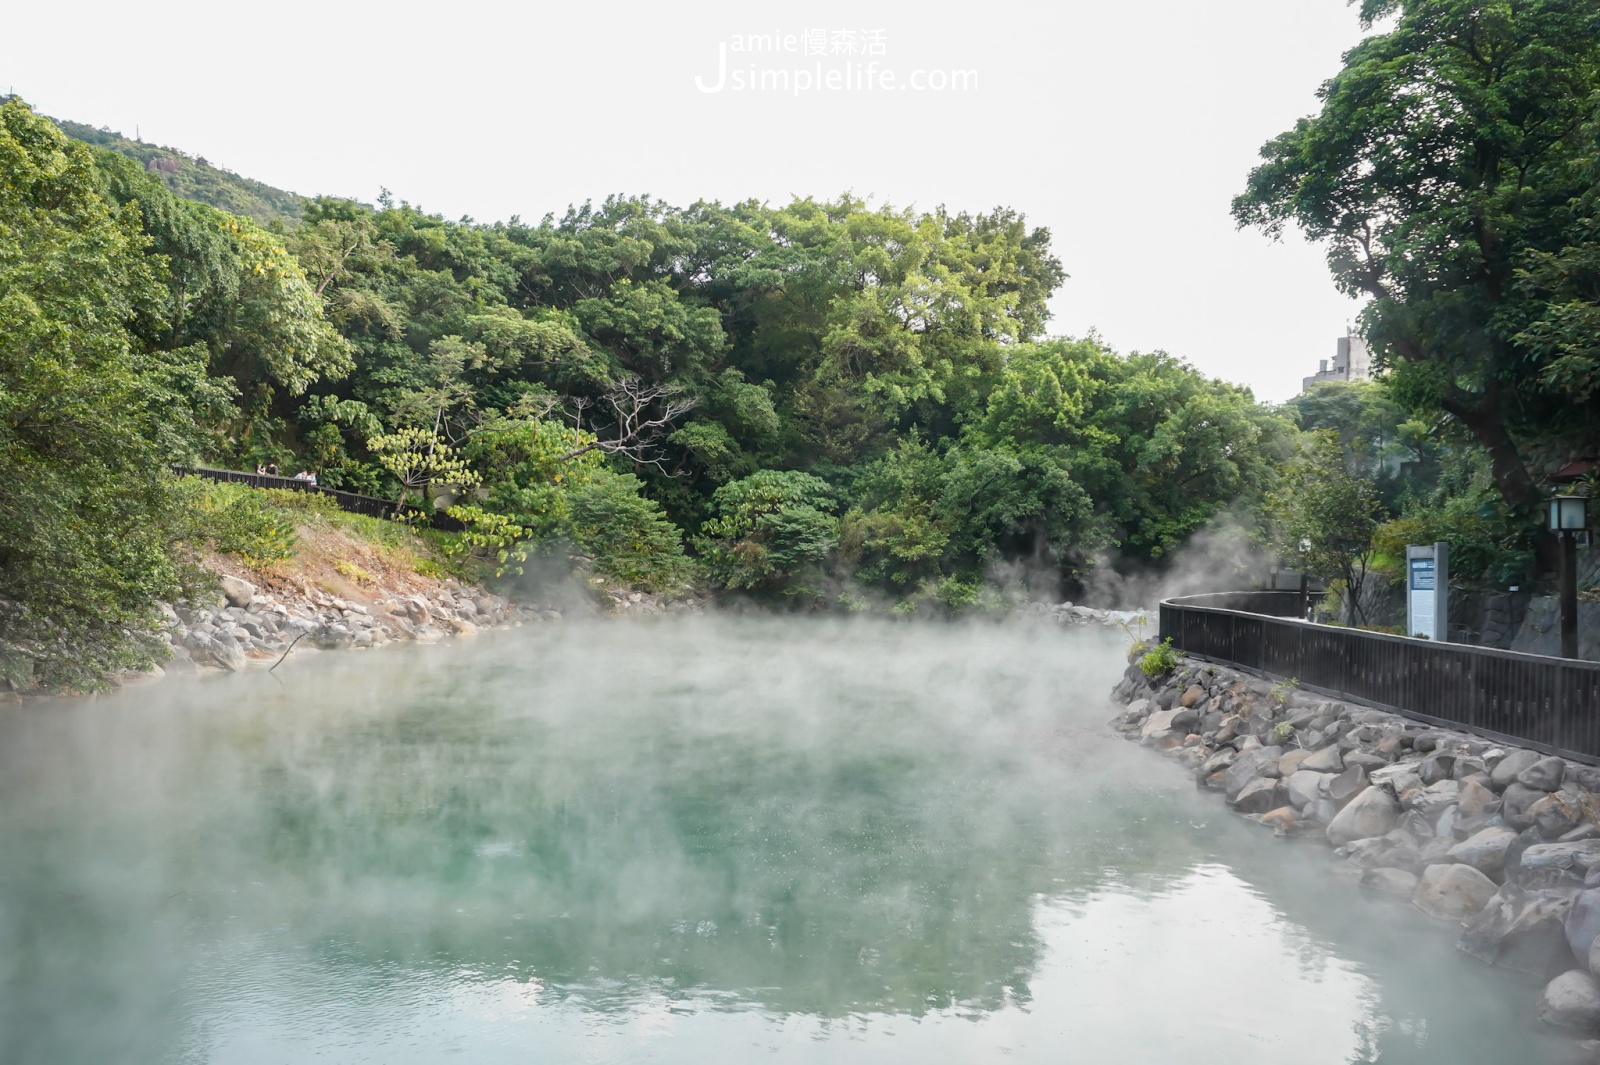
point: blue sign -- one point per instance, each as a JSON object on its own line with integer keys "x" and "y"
{"x": 1422, "y": 575}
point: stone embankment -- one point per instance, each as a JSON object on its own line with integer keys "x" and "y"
{"x": 248, "y": 625}
{"x": 624, "y": 602}
{"x": 1497, "y": 840}
{"x": 1069, "y": 614}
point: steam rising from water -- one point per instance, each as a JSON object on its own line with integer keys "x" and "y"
{"x": 678, "y": 841}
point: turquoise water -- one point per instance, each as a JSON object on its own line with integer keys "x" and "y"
{"x": 683, "y": 841}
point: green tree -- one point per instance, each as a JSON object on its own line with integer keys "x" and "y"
{"x": 418, "y": 458}
{"x": 86, "y": 424}
{"x": 1447, "y": 154}
{"x": 1324, "y": 515}
{"x": 772, "y": 532}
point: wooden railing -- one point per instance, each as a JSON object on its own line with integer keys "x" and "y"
{"x": 1552, "y": 704}
{"x": 350, "y": 501}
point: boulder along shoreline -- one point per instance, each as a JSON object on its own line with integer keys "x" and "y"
{"x": 250, "y": 625}
{"x": 1498, "y": 840}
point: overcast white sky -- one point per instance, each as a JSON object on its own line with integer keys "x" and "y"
{"x": 1124, "y": 127}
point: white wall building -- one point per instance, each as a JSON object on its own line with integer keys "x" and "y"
{"x": 1352, "y": 361}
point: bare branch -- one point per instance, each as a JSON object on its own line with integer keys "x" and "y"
{"x": 643, "y": 415}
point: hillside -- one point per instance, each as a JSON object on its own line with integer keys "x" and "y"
{"x": 192, "y": 177}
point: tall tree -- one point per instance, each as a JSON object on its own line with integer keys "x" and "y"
{"x": 87, "y": 422}
{"x": 1448, "y": 151}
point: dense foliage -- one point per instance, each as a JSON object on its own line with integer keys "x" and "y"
{"x": 88, "y": 419}
{"x": 1452, "y": 175}
{"x": 825, "y": 403}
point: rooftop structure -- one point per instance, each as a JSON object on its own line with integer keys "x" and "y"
{"x": 1352, "y": 361}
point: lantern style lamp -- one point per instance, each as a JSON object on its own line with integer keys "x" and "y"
{"x": 1569, "y": 516}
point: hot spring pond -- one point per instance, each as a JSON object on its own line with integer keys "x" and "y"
{"x": 725, "y": 840}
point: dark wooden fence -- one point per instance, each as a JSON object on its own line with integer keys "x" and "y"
{"x": 1552, "y": 704}
{"x": 350, "y": 501}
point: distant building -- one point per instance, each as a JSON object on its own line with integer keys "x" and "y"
{"x": 1352, "y": 361}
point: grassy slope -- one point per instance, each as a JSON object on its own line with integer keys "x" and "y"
{"x": 348, "y": 555}
{"x": 194, "y": 178}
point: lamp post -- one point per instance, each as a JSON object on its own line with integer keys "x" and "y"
{"x": 1569, "y": 515}
{"x": 1305, "y": 582}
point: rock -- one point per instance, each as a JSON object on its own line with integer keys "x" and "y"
{"x": 1435, "y": 852}
{"x": 1159, "y": 721}
{"x": 332, "y": 637}
{"x": 1445, "y": 826}
{"x": 1184, "y": 721}
{"x": 1390, "y": 881}
{"x": 1583, "y": 921}
{"x": 218, "y": 649}
{"x": 1452, "y": 892}
{"x": 181, "y": 662}
{"x": 1323, "y": 811}
{"x": 1414, "y": 824}
{"x": 1398, "y": 778}
{"x": 463, "y": 627}
{"x": 1516, "y": 803}
{"x": 1572, "y": 1001}
{"x": 1440, "y": 765}
{"x": 1508, "y": 768}
{"x": 1193, "y": 694}
{"x": 1282, "y": 820}
{"x": 1305, "y": 787}
{"x": 1367, "y": 760}
{"x": 1391, "y": 745}
{"x": 1485, "y": 851}
{"x": 1554, "y": 864}
{"x": 1396, "y": 850}
{"x": 237, "y": 592}
{"x": 1431, "y": 801}
{"x": 1477, "y": 800}
{"x": 1555, "y": 815}
{"x": 1259, "y": 796}
{"x": 1327, "y": 760}
{"x": 1521, "y": 931}
{"x": 1371, "y": 813}
{"x": 1218, "y": 761}
{"x": 1543, "y": 775}
{"x": 1586, "y": 777}
{"x": 1290, "y": 763}
{"x": 1261, "y": 762}
{"x": 1347, "y": 785}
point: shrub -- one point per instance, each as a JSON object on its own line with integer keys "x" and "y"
{"x": 1282, "y": 690}
{"x": 627, "y": 535}
{"x": 1159, "y": 660}
{"x": 234, "y": 519}
{"x": 773, "y": 529}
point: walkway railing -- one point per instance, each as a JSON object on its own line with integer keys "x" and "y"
{"x": 1551, "y": 704}
{"x": 354, "y": 503}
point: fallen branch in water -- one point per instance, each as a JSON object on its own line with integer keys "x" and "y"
{"x": 286, "y": 651}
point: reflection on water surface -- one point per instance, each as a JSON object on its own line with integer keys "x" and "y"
{"x": 681, "y": 841}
